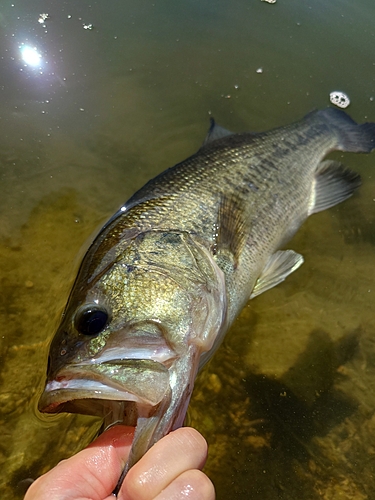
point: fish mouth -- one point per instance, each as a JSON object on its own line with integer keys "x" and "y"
{"x": 141, "y": 393}
{"x": 119, "y": 391}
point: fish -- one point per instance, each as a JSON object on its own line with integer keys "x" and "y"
{"x": 167, "y": 275}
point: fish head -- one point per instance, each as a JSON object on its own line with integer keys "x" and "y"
{"x": 130, "y": 340}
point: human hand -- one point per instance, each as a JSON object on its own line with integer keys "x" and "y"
{"x": 170, "y": 470}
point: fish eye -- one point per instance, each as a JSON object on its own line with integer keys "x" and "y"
{"x": 91, "y": 321}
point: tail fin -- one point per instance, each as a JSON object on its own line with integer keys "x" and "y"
{"x": 351, "y": 136}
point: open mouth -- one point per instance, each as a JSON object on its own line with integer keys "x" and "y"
{"x": 142, "y": 393}
{"x": 117, "y": 390}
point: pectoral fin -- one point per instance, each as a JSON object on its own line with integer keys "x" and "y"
{"x": 278, "y": 267}
{"x": 231, "y": 227}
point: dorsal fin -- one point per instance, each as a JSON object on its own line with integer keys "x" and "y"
{"x": 215, "y": 132}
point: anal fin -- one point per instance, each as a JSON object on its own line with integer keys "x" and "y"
{"x": 333, "y": 184}
{"x": 278, "y": 267}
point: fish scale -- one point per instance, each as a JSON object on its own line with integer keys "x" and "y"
{"x": 167, "y": 275}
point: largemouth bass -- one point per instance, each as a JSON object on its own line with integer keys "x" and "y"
{"x": 167, "y": 275}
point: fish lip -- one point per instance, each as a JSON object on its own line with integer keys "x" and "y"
{"x": 105, "y": 358}
{"x": 84, "y": 382}
{"x": 65, "y": 390}
{"x": 164, "y": 356}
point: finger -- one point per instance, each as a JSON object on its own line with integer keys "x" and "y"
{"x": 92, "y": 473}
{"x": 179, "y": 451}
{"x": 192, "y": 484}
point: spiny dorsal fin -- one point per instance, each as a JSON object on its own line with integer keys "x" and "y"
{"x": 215, "y": 132}
{"x": 278, "y": 267}
{"x": 333, "y": 184}
{"x": 231, "y": 227}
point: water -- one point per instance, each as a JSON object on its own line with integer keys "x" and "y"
{"x": 288, "y": 403}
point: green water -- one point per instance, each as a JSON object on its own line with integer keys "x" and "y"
{"x": 288, "y": 403}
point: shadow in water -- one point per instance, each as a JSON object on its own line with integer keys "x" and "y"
{"x": 283, "y": 451}
{"x": 305, "y": 403}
